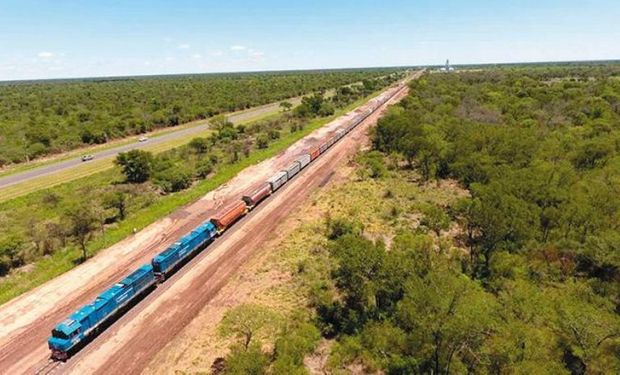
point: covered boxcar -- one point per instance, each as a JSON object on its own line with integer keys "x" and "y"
{"x": 323, "y": 147}
{"x": 277, "y": 180}
{"x": 334, "y": 139}
{"x": 314, "y": 153}
{"x": 256, "y": 195}
{"x": 304, "y": 160}
{"x": 73, "y": 331}
{"x": 229, "y": 215}
{"x": 292, "y": 169}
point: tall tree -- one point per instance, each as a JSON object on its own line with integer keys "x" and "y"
{"x": 137, "y": 165}
{"x": 82, "y": 222}
{"x": 248, "y": 321}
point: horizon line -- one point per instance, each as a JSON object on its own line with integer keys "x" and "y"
{"x": 146, "y": 76}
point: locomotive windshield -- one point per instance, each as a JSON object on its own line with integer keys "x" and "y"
{"x": 59, "y": 334}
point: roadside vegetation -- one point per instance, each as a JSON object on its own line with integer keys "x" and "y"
{"x": 48, "y": 117}
{"x": 479, "y": 236}
{"x": 50, "y": 231}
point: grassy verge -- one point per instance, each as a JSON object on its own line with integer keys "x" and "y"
{"x": 62, "y": 261}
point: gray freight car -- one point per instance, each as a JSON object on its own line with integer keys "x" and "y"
{"x": 292, "y": 169}
{"x": 304, "y": 160}
{"x": 277, "y": 180}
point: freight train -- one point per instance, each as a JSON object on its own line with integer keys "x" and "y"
{"x": 84, "y": 324}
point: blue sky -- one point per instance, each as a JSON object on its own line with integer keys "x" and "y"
{"x": 62, "y": 38}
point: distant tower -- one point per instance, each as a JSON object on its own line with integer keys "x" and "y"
{"x": 447, "y": 65}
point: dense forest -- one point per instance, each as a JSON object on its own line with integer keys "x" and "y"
{"x": 40, "y": 118}
{"x": 536, "y": 288}
{"x": 60, "y": 223}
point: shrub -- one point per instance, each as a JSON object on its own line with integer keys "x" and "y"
{"x": 173, "y": 179}
{"x": 204, "y": 168}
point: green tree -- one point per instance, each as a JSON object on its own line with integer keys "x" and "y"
{"x": 436, "y": 219}
{"x": 137, "y": 165}
{"x": 204, "y": 168}
{"x": 200, "y": 145}
{"x": 246, "y": 361}
{"x": 298, "y": 339}
{"x": 173, "y": 179}
{"x": 448, "y": 317}
{"x": 286, "y": 106}
{"x": 82, "y": 222}
{"x": 117, "y": 200}
{"x": 248, "y": 322}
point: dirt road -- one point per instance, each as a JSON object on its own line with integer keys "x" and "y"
{"x": 128, "y": 345}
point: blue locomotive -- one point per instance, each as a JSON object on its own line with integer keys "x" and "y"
{"x": 170, "y": 259}
{"x": 70, "y": 334}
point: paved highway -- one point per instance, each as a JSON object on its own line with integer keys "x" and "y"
{"x": 48, "y": 169}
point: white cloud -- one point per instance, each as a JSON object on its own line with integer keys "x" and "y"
{"x": 216, "y": 53}
{"x": 197, "y": 56}
{"x": 255, "y": 53}
{"x": 237, "y": 48}
{"x": 184, "y": 46}
{"x": 45, "y": 55}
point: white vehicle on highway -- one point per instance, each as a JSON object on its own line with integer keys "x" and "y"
{"x": 143, "y": 139}
{"x": 87, "y": 157}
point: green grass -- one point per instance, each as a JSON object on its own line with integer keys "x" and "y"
{"x": 62, "y": 261}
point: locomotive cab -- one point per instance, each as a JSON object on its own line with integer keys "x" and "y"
{"x": 63, "y": 338}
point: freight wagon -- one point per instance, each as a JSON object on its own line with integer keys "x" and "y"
{"x": 277, "y": 180}
{"x": 228, "y": 216}
{"x": 85, "y": 323}
{"x": 81, "y": 326}
{"x": 323, "y": 147}
{"x": 314, "y": 153}
{"x": 254, "y": 197}
{"x": 340, "y": 133}
{"x": 292, "y": 170}
{"x": 330, "y": 141}
{"x": 304, "y": 160}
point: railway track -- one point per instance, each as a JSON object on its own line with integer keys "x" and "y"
{"x": 49, "y": 368}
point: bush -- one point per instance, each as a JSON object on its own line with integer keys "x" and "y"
{"x": 292, "y": 347}
{"x": 375, "y": 164}
{"x": 337, "y": 228}
{"x": 10, "y": 256}
{"x": 273, "y": 134}
{"x": 262, "y": 141}
{"x": 199, "y": 145}
{"x": 173, "y": 179}
{"x": 327, "y": 109}
{"x": 246, "y": 362}
{"x": 204, "y": 168}
{"x": 137, "y": 165}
